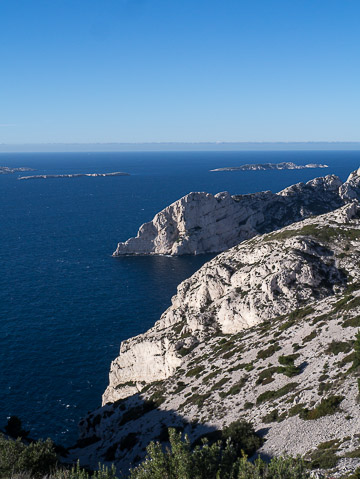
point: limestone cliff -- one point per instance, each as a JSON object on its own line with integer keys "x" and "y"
{"x": 250, "y": 283}
{"x": 219, "y": 353}
{"x": 204, "y": 223}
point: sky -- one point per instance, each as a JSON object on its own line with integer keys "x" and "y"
{"x": 99, "y": 71}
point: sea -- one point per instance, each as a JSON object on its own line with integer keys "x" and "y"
{"x": 65, "y": 303}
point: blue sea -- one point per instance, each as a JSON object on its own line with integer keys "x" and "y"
{"x": 65, "y": 302}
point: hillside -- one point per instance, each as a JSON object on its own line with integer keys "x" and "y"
{"x": 265, "y": 331}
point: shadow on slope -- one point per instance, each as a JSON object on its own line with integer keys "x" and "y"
{"x": 120, "y": 432}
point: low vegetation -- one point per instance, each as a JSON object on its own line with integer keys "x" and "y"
{"x": 327, "y": 406}
{"x": 212, "y": 461}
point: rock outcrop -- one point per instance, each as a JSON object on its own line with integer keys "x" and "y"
{"x": 253, "y": 282}
{"x": 203, "y": 223}
{"x": 265, "y": 331}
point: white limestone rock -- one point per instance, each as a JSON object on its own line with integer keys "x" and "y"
{"x": 350, "y": 190}
{"x": 253, "y": 282}
{"x": 204, "y": 223}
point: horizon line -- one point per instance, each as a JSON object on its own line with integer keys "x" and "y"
{"x": 175, "y": 146}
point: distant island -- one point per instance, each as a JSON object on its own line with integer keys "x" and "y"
{"x": 74, "y": 175}
{"x": 5, "y": 170}
{"x": 270, "y": 166}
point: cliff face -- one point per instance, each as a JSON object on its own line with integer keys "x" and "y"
{"x": 203, "y": 223}
{"x": 216, "y": 355}
{"x": 253, "y": 282}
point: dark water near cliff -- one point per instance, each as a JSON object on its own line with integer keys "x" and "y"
{"x": 65, "y": 303}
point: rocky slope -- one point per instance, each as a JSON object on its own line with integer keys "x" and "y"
{"x": 265, "y": 331}
{"x": 203, "y": 223}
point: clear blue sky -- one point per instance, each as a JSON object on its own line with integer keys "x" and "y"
{"x": 179, "y": 70}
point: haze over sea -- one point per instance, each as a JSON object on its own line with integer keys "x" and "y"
{"x": 65, "y": 302}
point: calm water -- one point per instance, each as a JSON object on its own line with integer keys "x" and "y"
{"x": 65, "y": 303}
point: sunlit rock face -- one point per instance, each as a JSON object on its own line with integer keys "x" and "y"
{"x": 204, "y": 223}
{"x": 258, "y": 280}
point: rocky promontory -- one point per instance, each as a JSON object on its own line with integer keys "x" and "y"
{"x": 265, "y": 332}
{"x": 288, "y": 165}
{"x": 205, "y": 223}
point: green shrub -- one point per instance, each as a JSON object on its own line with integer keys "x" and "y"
{"x": 243, "y": 437}
{"x": 295, "y": 410}
{"x": 272, "y": 416}
{"x": 310, "y": 336}
{"x": 288, "y": 360}
{"x": 235, "y": 388}
{"x": 288, "y": 367}
{"x": 356, "y": 360}
{"x": 353, "y": 454}
{"x": 352, "y": 322}
{"x": 195, "y": 371}
{"x": 215, "y": 461}
{"x": 76, "y": 472}
{"x": 266, "y": 376}
{"x": 323, "y": 459}
{"x": 219, "y": 384}
{"x": 336, "y": 347}
{"x": 270, "y": 395}
{"x": 327, "y": 406}
{"x": 266, "y": 353}
{"x": 36, "y": 459}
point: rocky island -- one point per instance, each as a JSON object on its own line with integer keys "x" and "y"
{"x": 4, "y": 170}
{"x": 73, "y": 175}
{"x": 271, "y": 166}
{"x": 265, "y": 332}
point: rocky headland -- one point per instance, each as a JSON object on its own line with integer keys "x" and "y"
{"x": 73, "y": 175}
{"x": 271, "y": 166}
{"x": 266, "y": 331}
{"x": 205, "y": 223}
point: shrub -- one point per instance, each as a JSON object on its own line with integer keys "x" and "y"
{"x": 323, "y": 459}
{"x": 272, "y": 416}
{"x": 243, "y": 437}
{"x": 326, "y": 407}
{"x": 288, "y": 367}
{"x": 336, "y": 347}
{"x": 266, "y": 376}
{"x": 76, "y": 472}
{"x": 266, "y": 353}
{"x": 352, "y": 322}
{"x": 37, "y": 459}
{"x": 310, "y": 337}
{"x": 235, "y": 388}
{"x": 212, "y": 462}
{"x": 356, "y": 360}
{"x": 270, "y": 395}
{"x": 195, "y": 371}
